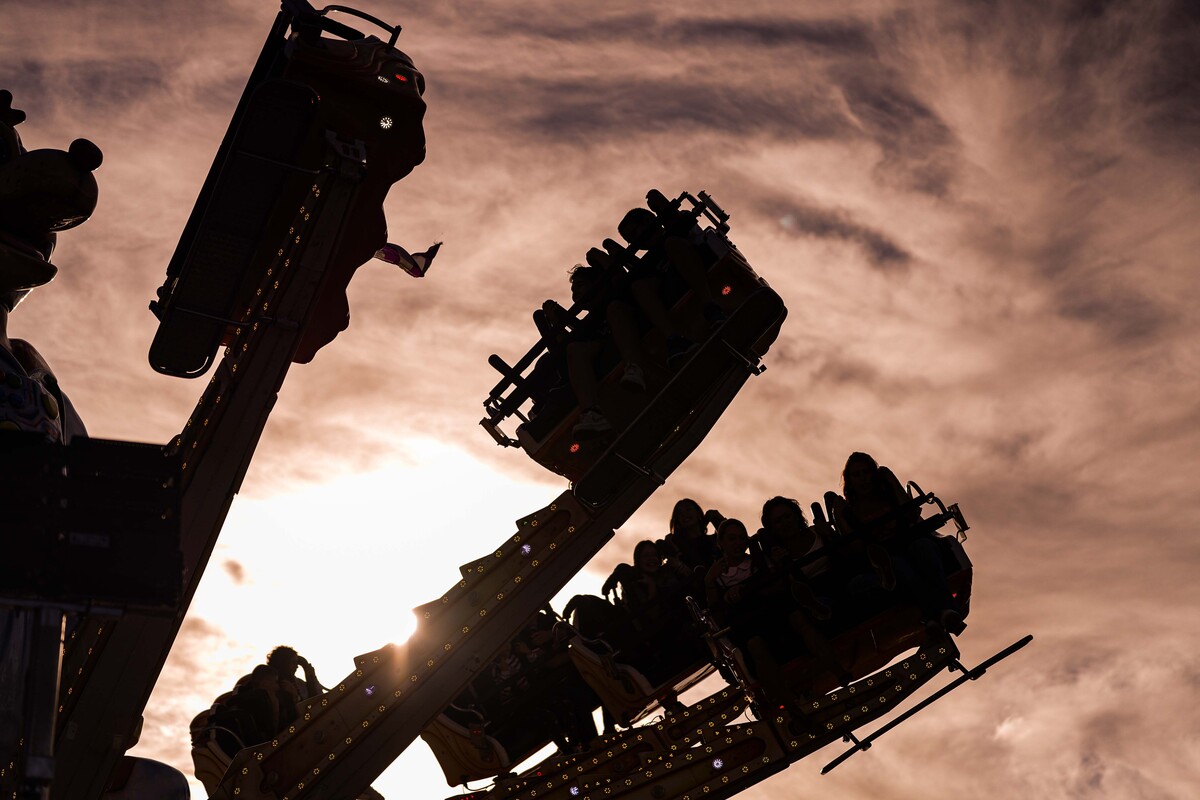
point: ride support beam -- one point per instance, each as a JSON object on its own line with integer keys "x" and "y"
{"x": 709, "y": 750}
{"x": 347, "y": 737}
{"x": 111, "y": 665}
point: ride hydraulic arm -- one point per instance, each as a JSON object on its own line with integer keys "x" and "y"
{"x": 321, "y": 217}
{"x": 347, "y": 737}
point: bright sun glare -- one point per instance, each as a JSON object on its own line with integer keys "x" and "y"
{"x": 334, "y": 569}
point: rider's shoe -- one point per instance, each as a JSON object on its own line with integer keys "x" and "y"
{"x": 633, "y": 378}
{"x": 591, "y": 422}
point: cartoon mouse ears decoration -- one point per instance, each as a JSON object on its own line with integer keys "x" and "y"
{"x": 8, "y": 115}
{"x": 41, "y": 192}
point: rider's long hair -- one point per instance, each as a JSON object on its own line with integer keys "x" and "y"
{"x": 851, "y": 494}
{"x": 687, "y": 501}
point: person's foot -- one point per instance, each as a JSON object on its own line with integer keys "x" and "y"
{"x": 678, "y": 349}
{"x": 713, "y": 314}
{"x": 591, "y": 422}
{"x": 633, "y": 378}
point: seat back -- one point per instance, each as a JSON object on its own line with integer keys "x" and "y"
{"x": 464, "y": 754}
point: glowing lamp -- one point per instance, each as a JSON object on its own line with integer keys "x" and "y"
{"x": 718, "y": 763}
{"x": 386, "y": 123}
{"x": 726, "y": 291}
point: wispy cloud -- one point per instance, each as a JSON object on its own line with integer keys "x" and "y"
{"x": 804, "y": 219}
{"x": 981, "y": 216}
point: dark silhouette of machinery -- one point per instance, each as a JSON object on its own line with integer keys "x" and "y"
{"x": 330, "y": 119}
{"x": 347, "y": 737}
{"x": 738, "y": 735}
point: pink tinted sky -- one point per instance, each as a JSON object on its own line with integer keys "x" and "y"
{"x": 981, "y": 216}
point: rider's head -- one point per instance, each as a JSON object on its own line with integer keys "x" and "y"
{"x": 783, "y": 514}
{"x": 284, "y": 660}
{"x": 733, "y": 539}
{"x": 646, "y": 556}
{"x": 687, "y": 517}
{"x": 640, "y": 227}
{"x": 859, "y": 476}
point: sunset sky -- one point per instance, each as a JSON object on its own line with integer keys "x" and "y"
{"x": 983, "y": 217}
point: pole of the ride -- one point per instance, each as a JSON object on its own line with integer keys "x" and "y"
{"x": 968, "y": 675}
{"x": 43, "y": 662}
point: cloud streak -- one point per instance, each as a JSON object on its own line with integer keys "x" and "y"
{"x": 802, "y": 219}
{"x": 981, "y": 216}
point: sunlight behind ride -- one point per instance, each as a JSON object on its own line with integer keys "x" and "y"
{"x": 339, "y": 565}
{"x": 333, "y": 570}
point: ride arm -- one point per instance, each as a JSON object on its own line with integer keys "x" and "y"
{"x": 702, "y": 752}
{"x": 345, "y": 738}
{"x": 110, "y": 667}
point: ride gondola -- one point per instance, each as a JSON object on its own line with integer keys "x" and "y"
{"x": 706, "y": 749}
{"x": 871, "y": 629}
{"x": 648, "y": 438}
{"x": 326, "y": 125}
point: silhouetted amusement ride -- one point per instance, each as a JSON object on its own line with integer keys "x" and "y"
{"x": 115, "y": 535}
{"x": 803, "y": 633}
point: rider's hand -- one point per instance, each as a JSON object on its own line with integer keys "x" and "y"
{"x": 554, "y": 312}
